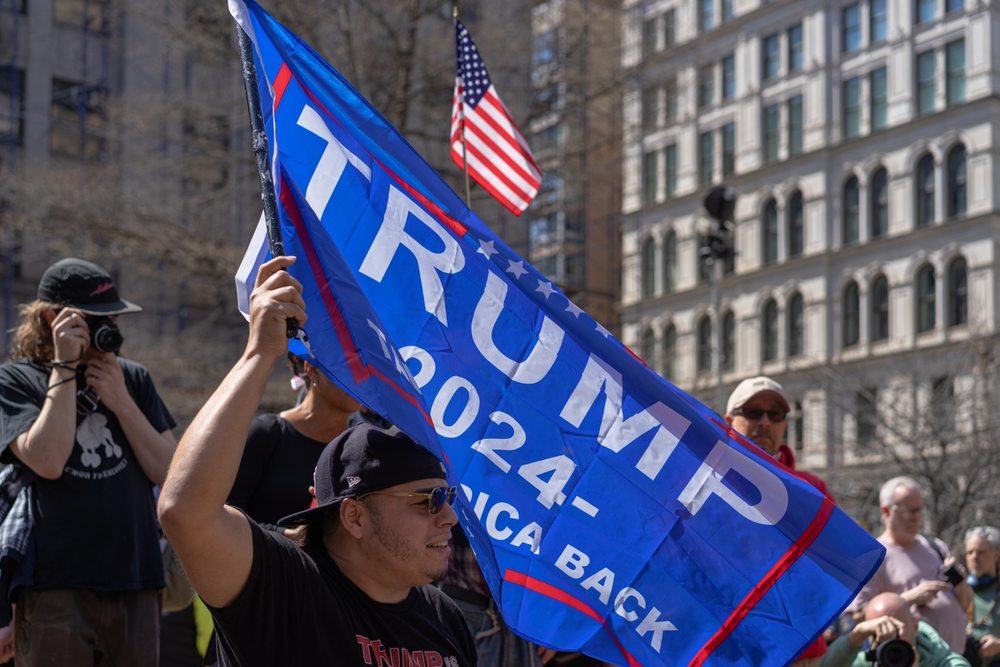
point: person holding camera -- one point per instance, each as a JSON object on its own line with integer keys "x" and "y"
{"x": 895, "y": 639}
{"x": 918, "y": 568}
{"x": 982, "y": 550}
{"x": 93, "y": 430}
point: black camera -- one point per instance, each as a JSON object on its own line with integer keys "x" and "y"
{"x": 104, "y": 334}
{"x": 892, "y": 653}
{"x": 953, "y": 576}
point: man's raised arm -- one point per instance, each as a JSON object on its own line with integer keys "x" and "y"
{"x": 213, "y": 540}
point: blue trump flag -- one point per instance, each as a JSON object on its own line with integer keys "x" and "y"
{"x": 610, "y": 512}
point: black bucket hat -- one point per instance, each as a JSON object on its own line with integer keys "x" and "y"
{"x": 362, "y": 459}
{"x": 80, "y": 284}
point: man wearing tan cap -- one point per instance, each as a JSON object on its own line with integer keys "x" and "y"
{"x": 758, "y": 410}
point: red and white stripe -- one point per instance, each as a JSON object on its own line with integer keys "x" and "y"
{"x": 499, "y": 158}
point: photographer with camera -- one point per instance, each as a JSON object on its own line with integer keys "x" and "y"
{"x": 895, "y": 639}
{"x": 92, "y": 429}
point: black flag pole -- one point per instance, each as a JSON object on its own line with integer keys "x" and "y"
{"x": 261, "y": 153}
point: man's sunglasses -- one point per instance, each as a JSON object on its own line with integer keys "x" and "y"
{"x": 753, "y": 414}
{"x": 434, "y": 499}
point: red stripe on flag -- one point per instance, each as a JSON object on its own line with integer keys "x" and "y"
{"x": 766, "y": 583}
{"x": 559, "y": 595}
{"x": 359, "y": 371}
{"x": 435, "y": 210}
{"x": 512, "y": 140}
{"x": 516, "y": 189}
{"x": 280, "y": 83}
{"x": 502, "y": 155}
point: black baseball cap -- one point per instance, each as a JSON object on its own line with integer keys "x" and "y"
{"x": 80, "y": 284}
{"x": 362, "y": 459}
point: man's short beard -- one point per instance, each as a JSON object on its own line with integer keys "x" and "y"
{"x": 393, "y": 544}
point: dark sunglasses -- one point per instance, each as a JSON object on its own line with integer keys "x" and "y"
{"x": 434, "y": 499}
{"x": 753, "y": 414}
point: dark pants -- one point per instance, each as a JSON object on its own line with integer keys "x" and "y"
{"x": 81, "y": 627}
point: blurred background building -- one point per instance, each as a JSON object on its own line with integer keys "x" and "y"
{"x": 860, "y": 137}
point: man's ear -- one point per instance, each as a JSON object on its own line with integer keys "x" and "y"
{"x": 351, "y": 517}
{"x": 48, "y": 316}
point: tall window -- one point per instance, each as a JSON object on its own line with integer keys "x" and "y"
{"x": 77, "y": 122}
{"x": 956, "y": 181}
{"x": 866, "y": 413}
{"x": 852, "y": 315}
{"x": 770, "y": 232}
{"x": 852, "y": 27}
{"x": 879, "y": 297}
{"x": 706, "y": 153}
{"x": 651, "y": 108}
{"x": 649, "y": 41}
{"x": 670, "y": 101}
{"x": 795, "y": 47}
{"x": 772, "y": 57}
{"x": 954, "y": 5}
{"x": 670, "y": 262}
{"x": 925, "y": 82}
{"x": 926, "y": 299}
{"x": 704, "y": 345}
{"x": 796, "y": 225}
{"x": 799, "y": 429}
{"x": 727, "y": 10}
{"x": 795, "y": 125}
{"x": 852, "y": 107}
{"x": 926, "y": 10}
{"x": 770, "y": 330}
{"x": 706, "y": 86}
{"x": 925, "y": 191}
{"x": 648, "y": 268}
{"x": 958, "y": 293}
{"x": 879, "y": 99}
{"x": 728, "y": 77}
{"x": 879, "y": 21}
{"x": 705, "y": 9}
{"x": 649, "y": 178}
{"x": 704, "y": 268}
{"x": 880, "y": 203}
{"x": 729, "y": 341}
{"x": 954, "y": 60}
{"x": 796, "y": 327}
{"x": 772, "y": 128}
{"x": 728, "y": 149}
{"x": 11, "y": 105}
{"x": 670, "y": 166}
{"x": 852, "y": 213}
{"x": 670, "y": 354}
{"x": 647, "y": 349}
{"x": 669, "y": 28}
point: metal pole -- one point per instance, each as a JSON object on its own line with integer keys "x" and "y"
{"x": 717, "y": 357}
{"x": 461, "y": 119}
{"x": 261, "y": 153}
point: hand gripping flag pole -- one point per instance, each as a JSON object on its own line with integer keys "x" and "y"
{"x": 263, "y": 167}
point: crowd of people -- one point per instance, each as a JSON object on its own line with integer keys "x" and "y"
{"x": 322, "y": 535}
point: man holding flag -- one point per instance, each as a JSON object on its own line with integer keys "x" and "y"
{"x": 356, "y": 591}
{"x": 609, "y": 512}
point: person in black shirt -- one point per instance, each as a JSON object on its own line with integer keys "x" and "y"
{"x": 93, "y": 429}
{"x": 281, "y": 451}
{"x": 357, "y": 592}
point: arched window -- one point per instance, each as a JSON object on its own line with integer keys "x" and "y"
{"x": 670, "y": 262}
{"x": 770, "y": 232}
{"x": 956, "y": 181}
{"x": 880, "y": 203}
{"x": 729, "y": 341}
{"x": 648, "y": 268}
{"x": 926, "y": 299}
{"x": 647, "y": 348}
{"x": 770, "y": 330}
{"x": 796, "y": 326}
{"x": 925, "y": 191}
{"x": 852, "y": 214}
{"x": 879, "y": 298}
{"x": 958, "y": 293}
{"x": 705, "y": 345}
{"x": 852, "y": 315}
{"x": 670, "y": 354}
{"x": 796, "y": 225}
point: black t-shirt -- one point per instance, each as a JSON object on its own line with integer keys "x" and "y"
{"x": 276, "y": 471}
{"x": 298, "y": 608}
{"x": 95, "y": 526}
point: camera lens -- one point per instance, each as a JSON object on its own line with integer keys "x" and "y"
{"x": 104, "y": 334}
{"x": 895, "y": 653}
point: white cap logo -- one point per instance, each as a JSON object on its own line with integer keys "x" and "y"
{"x": 353, "y": 481}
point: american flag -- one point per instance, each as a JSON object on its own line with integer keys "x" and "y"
{"x": 499, "y": 157}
